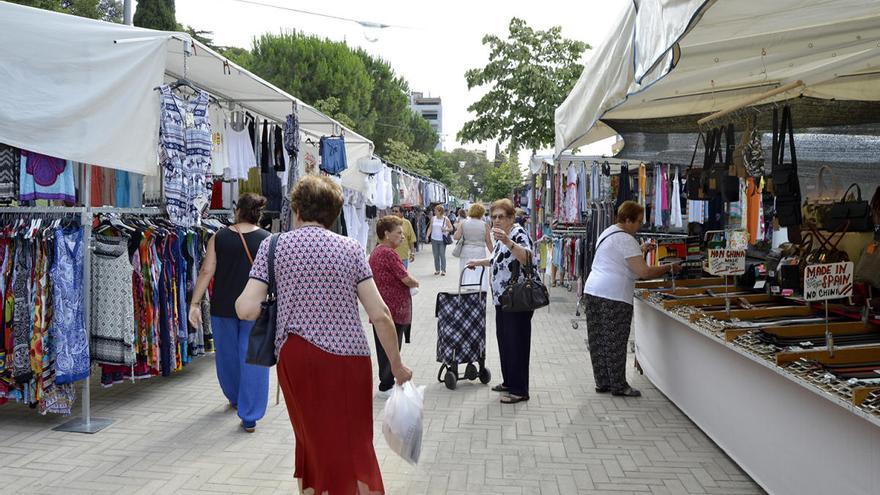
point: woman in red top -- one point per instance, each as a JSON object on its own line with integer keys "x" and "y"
{"x": 394, "y": 284}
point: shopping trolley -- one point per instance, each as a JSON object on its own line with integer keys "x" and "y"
{"x": 461, "y": 333}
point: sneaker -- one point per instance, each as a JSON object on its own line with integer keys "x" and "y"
{"x": 626, "y": 392}
{"x": 249, "y": 426}
{"x": 382, "y": 394}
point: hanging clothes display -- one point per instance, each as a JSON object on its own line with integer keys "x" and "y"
{"x": 10, "y": 162}
{"x": 219, "y": 151}
{"x": 45, "y": 177}
{"x": 184, "y": 155}
{"x": 624, "y": 191}
{"x": 643, "y": 184}
{"x": 70, "y": 342}
{"x": 112, "y": 324}
{"x": 291, "y": 146}
{"x": 675, "y": 218}
{"x": 332, "y": 150}
{"x": 239, "y": 153}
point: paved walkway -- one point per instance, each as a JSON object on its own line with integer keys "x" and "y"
{"x": 176, "y": 435}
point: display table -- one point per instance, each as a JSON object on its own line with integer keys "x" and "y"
{"x": 788, "y": 435}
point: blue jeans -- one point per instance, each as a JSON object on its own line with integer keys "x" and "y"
{"x": 405, "y": 263}
{"x": 439, "y": 249}
{"x": 244, "y": 385}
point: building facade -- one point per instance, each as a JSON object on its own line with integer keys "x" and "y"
{"x": 431, "y": 109}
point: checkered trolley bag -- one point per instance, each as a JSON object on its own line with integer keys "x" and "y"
{"x": 461, "y": 333}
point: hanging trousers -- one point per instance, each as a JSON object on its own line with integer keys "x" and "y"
{"x": 514, "y": 333}
{"x": 608, "y": 326}
{"x": 439, "y": 249}
{"x": 386, "y": 378}
{"x": 244, "y": 385}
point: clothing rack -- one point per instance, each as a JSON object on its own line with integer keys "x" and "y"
{"x": 86, "y": 423}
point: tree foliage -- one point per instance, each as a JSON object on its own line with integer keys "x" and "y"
{"x": 104, "y": 10}
{"x": 315, "y": 69}
{"x": 529, "y": 74}
{"x": 156, "y": 14}
{"x": 402, "y": 155}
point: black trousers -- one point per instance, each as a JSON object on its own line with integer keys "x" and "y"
{"x": 386, "y": 378}
{"x": 514, "y": 333}
{"x": 608, "y": 325}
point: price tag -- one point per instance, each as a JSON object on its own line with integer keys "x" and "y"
{"x": 727, "y": 261}
{"x": 190, "y": 120}
{"x": 828, "y": 281}
{"x": 760, "y": 284}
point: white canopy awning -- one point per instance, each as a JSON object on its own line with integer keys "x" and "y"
{"x": 669, "y": 58}
{"x": 82, "y": 90}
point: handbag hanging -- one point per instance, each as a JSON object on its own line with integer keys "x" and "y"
{"x": 261, "y": 342}
{"x": 459, "y": 245}
{"x": 525, "y": 291}
{"x": 856, "y": 213}
{"x": 694, "y": 182}
{"x": 786, "y": 185}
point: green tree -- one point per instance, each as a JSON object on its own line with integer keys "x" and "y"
{"x": 402, "y": 155}
{"x": 331, "y": 107}
{"x": 316, "y": 69}
{"x": 156, "y": 14}
{"x": 529, "y": 74}
{"x": 424, "y": 137}
{"x": 500, "y": 182}
{"x": 105, "y": 10}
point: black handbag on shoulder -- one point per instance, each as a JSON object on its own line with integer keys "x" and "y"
{"x": 525, "y": 291}
{"x": 261, "y": 342}
{"x": 856, "y": 211}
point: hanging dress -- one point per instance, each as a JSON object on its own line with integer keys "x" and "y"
{"x": 70, "y": 344}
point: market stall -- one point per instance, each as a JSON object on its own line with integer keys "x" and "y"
{"x": 714, "y": 96}
{"x": 94, "y": 214}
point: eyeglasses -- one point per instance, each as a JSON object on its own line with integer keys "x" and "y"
{"x": 498, "y": 217}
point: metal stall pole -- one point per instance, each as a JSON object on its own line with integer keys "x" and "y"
{"x": 86, "y": 424}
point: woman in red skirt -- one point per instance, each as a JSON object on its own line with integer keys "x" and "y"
{"x": 324, "y": 363}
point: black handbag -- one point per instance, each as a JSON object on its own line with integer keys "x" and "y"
{"x": 525, "y": 291}
{"x": 261, "y": 342}
{"x": 786, "y": 185}
{"x": 857, "y": 212}
{"x": 721, "y": 182}
{"x": 694, "y": 182}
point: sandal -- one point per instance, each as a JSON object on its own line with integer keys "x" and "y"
{"x": 513, "y": 399}
{"x": 500, "y": 388}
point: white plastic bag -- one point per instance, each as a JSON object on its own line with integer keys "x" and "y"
{"x": 402, "y": 421}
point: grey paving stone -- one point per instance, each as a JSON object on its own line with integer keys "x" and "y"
{"x": 177, "y": 435}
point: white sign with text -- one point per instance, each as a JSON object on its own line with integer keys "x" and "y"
{"x": 830, "y": 281}
{"x": 727, "y": 261}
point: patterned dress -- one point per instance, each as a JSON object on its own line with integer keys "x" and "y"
{"x": 185, "y": 155}
{"x": 70, "y": 344}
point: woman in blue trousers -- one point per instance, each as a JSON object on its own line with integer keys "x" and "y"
{"x": 228, "y": 261}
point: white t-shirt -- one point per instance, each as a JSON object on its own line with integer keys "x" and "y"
{"x": 611, "y": 277}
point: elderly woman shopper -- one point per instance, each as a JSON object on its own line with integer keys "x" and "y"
{"x": 477, "y": 240}
{"x": 618, "y": 262}
{"x": 323, "y": 355}
{"x": 437, "y": 229}
{"x": 228, "y": 259}
{"x": 394, "y": 284}
{"x": 513, "y": 330}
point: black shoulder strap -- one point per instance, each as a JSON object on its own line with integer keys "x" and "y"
{"x": 609, "y": 235}
{"x": 271, "y": 265}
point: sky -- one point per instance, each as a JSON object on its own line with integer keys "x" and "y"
{"x": 431, "y": 44}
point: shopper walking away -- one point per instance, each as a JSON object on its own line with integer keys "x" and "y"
{"x": 394, "y": 284}
{"x": 324, "y": 363}
{"x": 618, "y": 262}
{"x": 228, "y": 261}
{"x": 439, "y": 227}
{"x": 477, "y": 240}
{"x": 513, "y": 330}
{"x": 407, "y": 248}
